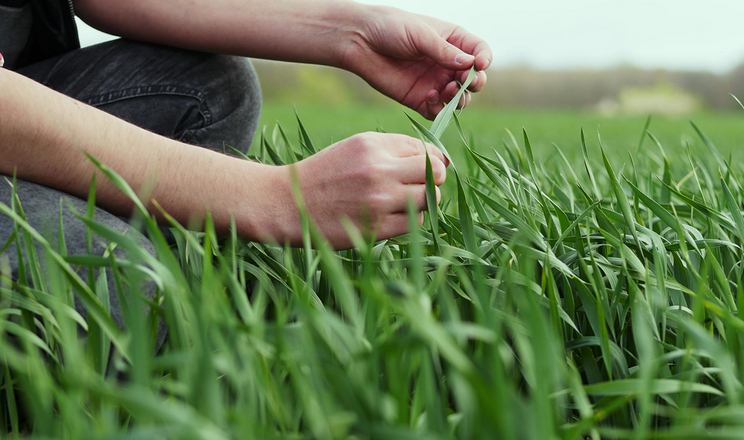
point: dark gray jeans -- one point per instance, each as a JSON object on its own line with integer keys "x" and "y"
{"x": 199, "y": 98}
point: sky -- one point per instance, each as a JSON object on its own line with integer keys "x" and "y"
{"x": 593, "y": 34}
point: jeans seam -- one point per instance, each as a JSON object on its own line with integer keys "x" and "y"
{"x": 142, "y": 91}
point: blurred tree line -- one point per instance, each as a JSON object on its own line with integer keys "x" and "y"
{"x": 524, "y": 87}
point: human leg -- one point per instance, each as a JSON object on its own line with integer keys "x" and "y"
{"x": 200, "y": 98}
{"x": 203, "y": 99}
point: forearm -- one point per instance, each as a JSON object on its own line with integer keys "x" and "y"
{"x": 44, "y": 136}
{"x": 313, "y": 31}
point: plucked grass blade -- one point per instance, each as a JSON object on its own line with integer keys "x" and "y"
{"x": 444, "y": 117}
{"x": 431, "y": 138}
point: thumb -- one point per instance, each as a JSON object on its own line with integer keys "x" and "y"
{"x": 442, "y": 52}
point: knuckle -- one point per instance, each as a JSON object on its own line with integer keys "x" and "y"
{"x": 366, "y": 141}
{"x": 360, "y": 141}
{"x": 361, "y": 149}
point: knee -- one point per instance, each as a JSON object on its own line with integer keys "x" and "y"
{"x": 234, "y": 101}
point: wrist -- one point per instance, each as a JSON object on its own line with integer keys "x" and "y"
{"x": 315, "y": 32}
{"x": 270, "y": 213}
{"x": 352, "y": 44}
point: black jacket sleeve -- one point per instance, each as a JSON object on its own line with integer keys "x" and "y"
{"x": 53, "y": 31}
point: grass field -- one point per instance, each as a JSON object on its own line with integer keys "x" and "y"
{"x": 587, "y": 298}
{"x": 488, "y": 128}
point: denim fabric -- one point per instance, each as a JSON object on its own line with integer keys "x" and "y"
{"x": 199, "y": 98}
{"x": 204, "y": 99}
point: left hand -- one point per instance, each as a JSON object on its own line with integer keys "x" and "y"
{"x": 417, "y": 60}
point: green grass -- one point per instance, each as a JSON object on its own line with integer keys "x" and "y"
{"x": 487, "y": 126}
{"x": 544, "y": 300}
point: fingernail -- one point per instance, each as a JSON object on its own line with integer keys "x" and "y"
{"x": 463, "y": 58}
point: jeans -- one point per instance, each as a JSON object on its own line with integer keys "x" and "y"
{"x": 204, "y": 99}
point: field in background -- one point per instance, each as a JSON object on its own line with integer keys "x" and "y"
{"x": 488, "y": 127}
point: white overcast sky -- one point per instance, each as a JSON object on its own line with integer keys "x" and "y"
{"x": 561, "y": 34}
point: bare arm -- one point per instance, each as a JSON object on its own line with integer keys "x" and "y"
{"x": 413, "y": 59}
{"x": 290, "y": 30}
{"x": 43, "y": 136}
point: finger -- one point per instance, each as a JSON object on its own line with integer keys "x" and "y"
{"x": 447, "y": 55}
{"x": 396, "y": 224}
{"x": 479, "y": 81}
{"x": 413, "y": 169}
{"x": 482, "y": 80}
{"x": 473, "y": 45}
{"x": 406, "y": 193}
{"x": 483, "y": 56}
{"x": 450, "y": 91}
{"x": 400, "y": 145}
{"x": 465, "y": 100}
{"x": 435, "y": 152}
{"x": 433, "y": 105}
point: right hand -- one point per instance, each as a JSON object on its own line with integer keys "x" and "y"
{"x": 414, "y": 59}
{"x": 367, "y": 178}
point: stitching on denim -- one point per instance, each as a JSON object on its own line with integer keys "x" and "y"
{"x": 142, "y": 91}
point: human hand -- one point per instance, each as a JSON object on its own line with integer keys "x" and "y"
{"x": 416, "y": 60}
{"x": 367, "y": 178}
